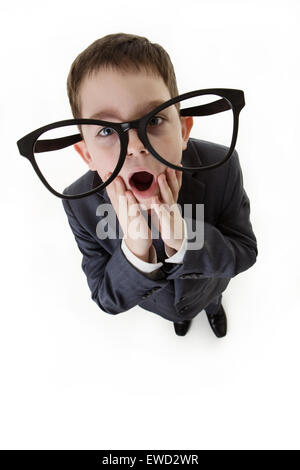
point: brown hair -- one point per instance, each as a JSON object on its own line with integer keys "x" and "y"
{"x": 124, "y": 52}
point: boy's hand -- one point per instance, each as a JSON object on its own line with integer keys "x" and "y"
{"x": 137, "y": 234}
{"x": 170, "y": 224}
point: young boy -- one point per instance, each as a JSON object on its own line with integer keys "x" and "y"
{"x": 118, "y": 78}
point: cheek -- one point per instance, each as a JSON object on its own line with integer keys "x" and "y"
{"x": 171, "y": 149}
{"x": 103, "y": 160}
{"x": 104, "y": 165}
{"x": 175, "y": 156}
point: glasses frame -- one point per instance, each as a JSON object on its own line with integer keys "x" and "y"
{"x": 230, "y": 99}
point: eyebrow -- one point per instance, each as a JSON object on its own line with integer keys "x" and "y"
{"x": 108, "y": 113}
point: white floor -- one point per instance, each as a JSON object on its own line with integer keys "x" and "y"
{"x": 76, "y": 377}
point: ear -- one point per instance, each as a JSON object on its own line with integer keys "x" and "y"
{"x": 186, "y": 126}
{"x": 81, "y": 148}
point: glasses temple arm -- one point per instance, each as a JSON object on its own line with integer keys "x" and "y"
{"x": 206, "y": 109}
{"x": 46, "y": 145}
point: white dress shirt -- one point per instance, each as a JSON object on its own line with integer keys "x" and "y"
{"x": 151, "y": 267}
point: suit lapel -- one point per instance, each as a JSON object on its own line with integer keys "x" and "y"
{"x": 96, "y": 182}
{"x": 192, "y": 189}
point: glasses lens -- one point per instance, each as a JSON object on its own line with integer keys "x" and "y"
{"x": 61, "y": 154}
{"x": 210, "y": 118}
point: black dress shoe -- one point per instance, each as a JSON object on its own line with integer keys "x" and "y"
{"x": 218, "y": 322}
{"x": 181, "y": 327}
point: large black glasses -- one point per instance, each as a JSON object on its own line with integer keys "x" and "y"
{"x": 212, "y": 116}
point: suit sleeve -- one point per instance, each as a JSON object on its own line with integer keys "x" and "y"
{"x": 229, "y": 247}
{"x": 115, "y": 284}
{"x": 150, "y": 268}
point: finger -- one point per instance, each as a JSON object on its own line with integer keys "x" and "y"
{"x": 120, "y": 185}
{"x": 179, "y": 176}
{"x": 131, "y": 197}
{"x": 134, "y": 210}
{"x": 162, "y": 209}
{"x": 126, "y": 212}
{"x": 134, "y": 207}
{"x": 173, "y": 182}
{"x": 117, "y": 196}
{"x": 121, "y": 194}
{"x": 136, "y": 218}
{"x": 155, "y": 214}
{"x": 165, "y": 190}
{"x": 165, "y": 221}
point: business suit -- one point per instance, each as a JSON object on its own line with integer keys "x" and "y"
{"x": 179, "y": 291}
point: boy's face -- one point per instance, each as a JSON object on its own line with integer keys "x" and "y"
{"x": 127, "y": 96}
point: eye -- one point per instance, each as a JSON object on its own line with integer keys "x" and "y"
{"x": 156, "y": 117}
{"x": 105, "y": 129}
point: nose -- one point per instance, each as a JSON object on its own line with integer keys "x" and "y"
{"x": 135, "y": 145}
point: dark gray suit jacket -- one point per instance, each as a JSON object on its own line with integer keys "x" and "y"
{"x": 179, "y": 291}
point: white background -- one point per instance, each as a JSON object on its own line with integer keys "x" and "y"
{"x": 74, "y": 377}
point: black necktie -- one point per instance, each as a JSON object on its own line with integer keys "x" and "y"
{"x": 157, "y": 242}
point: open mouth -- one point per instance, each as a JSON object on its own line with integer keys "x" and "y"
{"x": 141, "y": 180}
